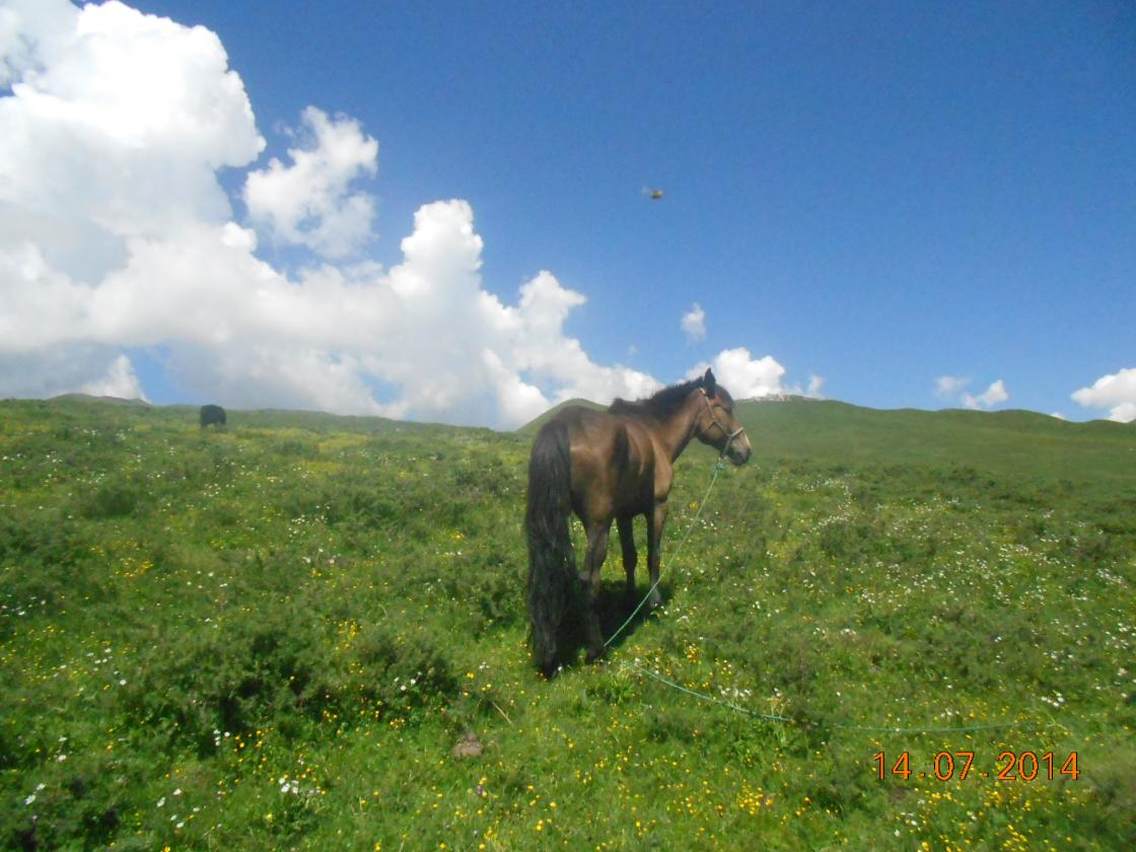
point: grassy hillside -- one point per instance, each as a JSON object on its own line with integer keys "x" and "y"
{"x": 309, "y": 632}
{"x": 1005, "y": 442}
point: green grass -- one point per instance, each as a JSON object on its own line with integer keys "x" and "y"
{"x": 273, "y": 636}
{"x": 1022, "y": 444}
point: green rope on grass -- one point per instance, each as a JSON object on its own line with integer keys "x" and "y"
{"x": 706, "y": 697}
{"x": 866, "y": 728}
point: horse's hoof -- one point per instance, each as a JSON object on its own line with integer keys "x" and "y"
{"x": 550, "y": 667}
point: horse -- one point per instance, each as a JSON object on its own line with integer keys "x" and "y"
{"x": 212, "y": 415}
{"x": 604, "y": 466}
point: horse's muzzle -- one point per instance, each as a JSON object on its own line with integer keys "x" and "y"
{"x": 739, "y": 451}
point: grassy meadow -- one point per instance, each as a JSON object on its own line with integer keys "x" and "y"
{"x": 309, "y": 632}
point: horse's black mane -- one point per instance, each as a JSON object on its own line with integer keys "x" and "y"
{"x": 666, "y": 402}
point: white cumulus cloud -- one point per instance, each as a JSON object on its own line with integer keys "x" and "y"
{"x": 308, "y": 202}
{"x": 947, "y": 387}
{"x": 115, "y": 127}
{"x": 1115, "y": 391}
{"x": 61, "y": 369}
{"x": 119, "y": 380}
{"x": 116, "y": 235}
{"x": 993, "y": 395}
{"x": 744, "y": 376}
{"x": 694, "y": 323}
{"x": 28, "y": 29}
{"x": 953, "y": 388}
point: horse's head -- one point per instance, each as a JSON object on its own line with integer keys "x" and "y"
{"x": 716, "y": 424}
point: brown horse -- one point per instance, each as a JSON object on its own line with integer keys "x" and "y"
{"x": 605, "y": 466}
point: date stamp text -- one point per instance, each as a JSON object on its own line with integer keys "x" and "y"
{"x": 1027, "y": 766}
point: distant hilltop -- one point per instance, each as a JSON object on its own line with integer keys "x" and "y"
{"x": 86, "y": 397}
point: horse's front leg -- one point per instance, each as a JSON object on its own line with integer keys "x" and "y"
{"x": 627, "y": 541}
{"x": 598, "y": 532}
{"x": 656, "y": 519}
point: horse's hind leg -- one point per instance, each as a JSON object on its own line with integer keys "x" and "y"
{"x": 655, "y": 523}
{"x": 627, "y": 541}
{"x": 597, "y": 551}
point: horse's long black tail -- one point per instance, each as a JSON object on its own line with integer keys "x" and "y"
{"x": 552, "y": 564}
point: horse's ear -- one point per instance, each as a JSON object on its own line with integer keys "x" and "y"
{"x": 708, "y": 383}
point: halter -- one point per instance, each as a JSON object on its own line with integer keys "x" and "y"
{"x": 729, "y": 435}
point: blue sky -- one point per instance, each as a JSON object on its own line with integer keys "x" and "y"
{"x": 875, "y": 194}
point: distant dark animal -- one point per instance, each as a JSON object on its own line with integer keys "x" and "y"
{"x": 605, "y": 466}
{"x": 212, "y": 415}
